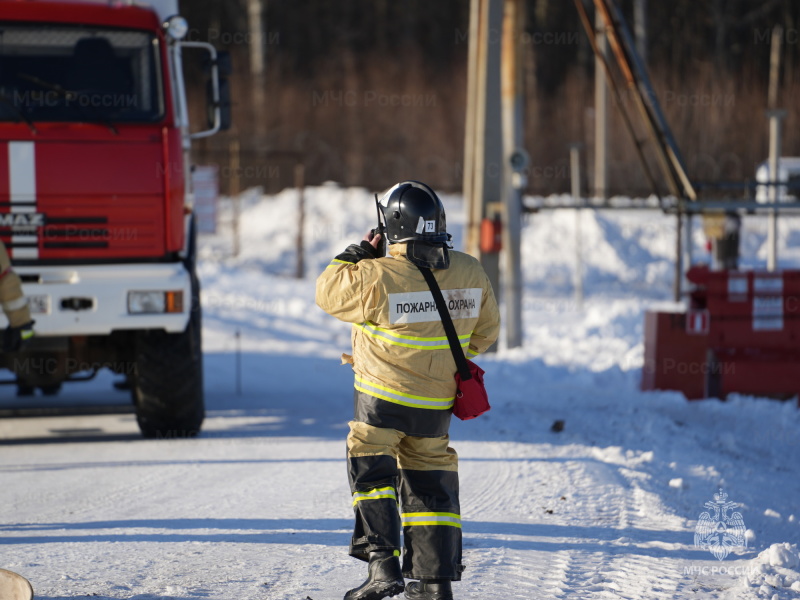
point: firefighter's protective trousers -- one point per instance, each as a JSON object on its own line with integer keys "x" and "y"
{"x": 409, "y": 484}
{"x": 403, "y": 474}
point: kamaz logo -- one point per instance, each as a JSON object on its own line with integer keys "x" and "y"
{"x": 22, "y": 220}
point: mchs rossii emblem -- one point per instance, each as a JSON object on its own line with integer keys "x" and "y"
{"x": 720, "y": 531}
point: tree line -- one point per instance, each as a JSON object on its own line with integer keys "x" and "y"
{"x": 366, "y": 92}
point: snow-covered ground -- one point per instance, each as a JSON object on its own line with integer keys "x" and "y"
{"x": 258, "y": 506}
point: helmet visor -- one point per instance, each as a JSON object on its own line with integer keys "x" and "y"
{"x": 384, "y": 201}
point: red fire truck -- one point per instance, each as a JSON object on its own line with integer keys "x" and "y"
{"x": 95, "y": 198}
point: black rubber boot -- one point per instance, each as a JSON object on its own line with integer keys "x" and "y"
{"x": 429, "y": 589}
{"x": 385, "y": 578}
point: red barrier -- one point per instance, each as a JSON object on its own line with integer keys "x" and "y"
{"x": 739, "y": 335}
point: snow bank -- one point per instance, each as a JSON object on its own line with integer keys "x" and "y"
{"x": 773, "y": 573}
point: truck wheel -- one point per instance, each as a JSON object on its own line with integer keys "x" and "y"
{"x": 168, "y": 382}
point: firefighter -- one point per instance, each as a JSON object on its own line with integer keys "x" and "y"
{"x": 15, "y": 306}
{"x": 398, "y": 446}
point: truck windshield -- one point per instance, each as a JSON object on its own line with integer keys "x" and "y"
{"x": 78, "y": 73}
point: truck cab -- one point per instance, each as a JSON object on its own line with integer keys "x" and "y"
{"x": 95, "y": 199}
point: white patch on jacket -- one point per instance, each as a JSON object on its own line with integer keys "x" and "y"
{"x": 419, "y": 307}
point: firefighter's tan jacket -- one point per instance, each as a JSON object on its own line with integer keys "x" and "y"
{"x": 400, "y": 349}
{"x": 14, "y": 303}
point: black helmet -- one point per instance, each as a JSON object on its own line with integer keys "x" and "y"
{"x": 413, "y": 211}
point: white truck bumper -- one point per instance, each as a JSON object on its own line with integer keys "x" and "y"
{"x": 55, "y": 294}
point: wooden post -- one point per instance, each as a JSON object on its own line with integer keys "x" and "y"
{"x": 472, "y": 229}
{"x": 575, "y": 180}
{"x": 238, "y": 362}
{"x": 299, "y": 183}
{"x": 234, "y": 165}
{"x": 255, "y": 25}
{"x": 600, "y": 111}
{"x": 677, "y": 276}
{"x": 775, "y": 117}
{"x": 483, "y": 173}
{"x": 774, "y": 66}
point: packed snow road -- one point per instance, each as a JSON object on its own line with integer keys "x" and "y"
{"x": 258, "y": 506}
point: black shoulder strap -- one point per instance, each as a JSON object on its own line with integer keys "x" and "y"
{"x": 447, "y": 321}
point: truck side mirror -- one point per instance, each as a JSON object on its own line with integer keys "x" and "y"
{"x": 223, "y": 103}
{"x": 218, "y": 96}
{"x": 224, "y": 63}
{"x": 224, "y": 68}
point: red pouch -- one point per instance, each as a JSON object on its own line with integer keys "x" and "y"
{"x": 471, "y": 397}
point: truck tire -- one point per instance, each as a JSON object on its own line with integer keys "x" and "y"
{"x": 168, "y": 380}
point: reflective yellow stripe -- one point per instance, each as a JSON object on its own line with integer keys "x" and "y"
{"x": 390, "y": 395}
{"x": 336, "y": 262}
{"x": 412, "y": 337}
{"x": 375, "y": 494}
{"x": 16, "y": 304}
{"x": 410, "y": 341}
{"x": 431, "y": 518}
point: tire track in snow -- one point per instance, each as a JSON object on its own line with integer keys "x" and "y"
{"x": 600, "y": 510}
{"x": 638, "y": 575}
{"x": 511, "y": 553}
{"x": 62, "y": 484}
{"x": 620, "y": 513}
{"x": 580, "y": 547}
{"x": 502, "y": 572}
{"x": 490, "y": 487}
{"x": 480, "y": 480}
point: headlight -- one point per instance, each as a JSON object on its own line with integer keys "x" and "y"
{"x": 176, "y": 27}
{"x": 150, "y": 302}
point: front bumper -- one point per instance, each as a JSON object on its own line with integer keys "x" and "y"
{"x": 93, "y": 299}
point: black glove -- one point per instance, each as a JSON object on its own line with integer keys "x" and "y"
{"x": 15, "y": 338}
{"x": 371, "y": 250}
{"x": 381, "y": 249}
{"x": 356, "y": 252}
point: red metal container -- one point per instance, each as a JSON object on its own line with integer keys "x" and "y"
{"x": 740, "y": 335}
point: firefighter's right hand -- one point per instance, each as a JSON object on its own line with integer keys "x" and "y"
{"x": 374, "y": 242}
{"x": 15, "y": 338}
{"x": 373, "y": 237}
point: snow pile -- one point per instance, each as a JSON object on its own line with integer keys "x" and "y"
{"x": 773, "y": 574}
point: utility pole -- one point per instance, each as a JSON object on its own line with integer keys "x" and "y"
{"x": 600, "y": 110}
{"x": 483, "y": 153}
{"x": 514, "y": 167}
